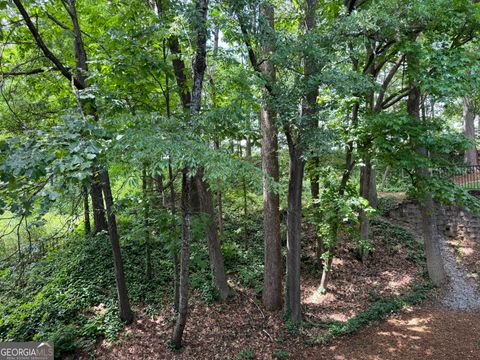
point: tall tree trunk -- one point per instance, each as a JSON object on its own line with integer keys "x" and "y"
{"x": 347, "y": 173}
{"x": 221, "y": 227}
{"x": 146, "y": 223}
{"x": 471, "y": 157}
{"x": 314, "y": 185}
{"x": 176, "y": 261}
{"x": 88, "y": 108}
{"x": 100, "y": 180}
{"x": 435, "y": 267}
{"x": 245, "y": 213}
{"x": 123, "y": 301}
{"x": 214, "y": 250}
{"x": 272, "y": 283}
{"x": 160, "y": 189}
{"x": 315, "y": 192}
{"x": 179, "y": 327}
{"x": 86, "y": 211}
{"x": 99, "y": 219}
{"x": 294, "y": 231}
{"x": 295, "y": 183}
{"x": 199, "y": 67}
{"x": 366, "y": 172}
{"x": 219, "y": 193}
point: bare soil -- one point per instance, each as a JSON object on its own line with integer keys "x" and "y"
{"x": 431, "y": 332}
{"x": 240, "y": 325}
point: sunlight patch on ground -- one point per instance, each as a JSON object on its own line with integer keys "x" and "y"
{"x": 316, "y": 297}
{"x": 396, "y": 282}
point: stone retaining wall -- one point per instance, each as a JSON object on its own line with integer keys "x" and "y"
{"x": 453, "y": 222}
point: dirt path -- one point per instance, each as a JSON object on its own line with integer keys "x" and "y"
{"x": 428, "y": 333}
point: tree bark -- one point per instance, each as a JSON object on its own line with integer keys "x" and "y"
{"x": 99, "y": 219}
{"x": 176, "y": 261}
{"x": 122, "y": 291}
{"x": 214, "y": 250}
{"x": 86, "y": 211}
{"x": 179, "y": 327}
{"x": 100, "y": 180}
{"x": 471, "y": 157}
{"x": 294, "y": 231}
{"x": 272, "y": 283}
{"x": 199, "y": 67}
{"x": 366, "y": 172}
{"x": 219, "y": 192}
{"x": 435, "y": 267}
{"x": 146, "y": 224}
{"x": 295, "y": 183}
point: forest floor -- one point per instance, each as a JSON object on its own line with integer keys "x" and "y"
{"x": 240, "y": 329}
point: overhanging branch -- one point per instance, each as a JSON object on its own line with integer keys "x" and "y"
{"x": 46, "y": 51}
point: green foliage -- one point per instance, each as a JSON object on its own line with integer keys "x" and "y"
{"x": 393, "y": 234}
{"x": 292, "y": 327}
{"x": 386, "y": 204}
{"x": 246, "y": 353}
{"x": 337, "y": 210}
{"x": 380, "y": 309}
{"x": 210, "y": 293}
{"x": 246, "y": 263}
{"x": 69, "y": 296}
{"x": 280, "y": 354}
{"x": 51, "y": 139}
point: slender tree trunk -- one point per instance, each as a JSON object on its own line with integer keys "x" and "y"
{"x": 435, "y": 267}
{"x": 294, "y": 231}
{"x": 327, "y": 270}
{"x": 159, "y": 188}
{"x": 219, "y": 192}
{"x": 214, "y": 250}
{"x": 146, "y": 223}
{"x": 347, "y": 173}
{"x": 176, "y": 261}
{"x": 314, "y": 185}
{"x": 245, "y": 213}
{"x": 179, "y": 327}
{"x": 100, "y": 180}
{"x": 365, "y": 191}
{"x": 221, "y": 227}
{"x": 123, "y": 300}
{"x": 199, "y": 67}
{"x": 384, "y": 177}
{"x": 99, "y": 219}
{"x": 246, "y": 230}
{"x": 295, "y": 183}
{"x": 315, "y": 192}
{"x": 86, "y": 211}
{"x": 471, "y": 157}
{"x": 272, "y": 283}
